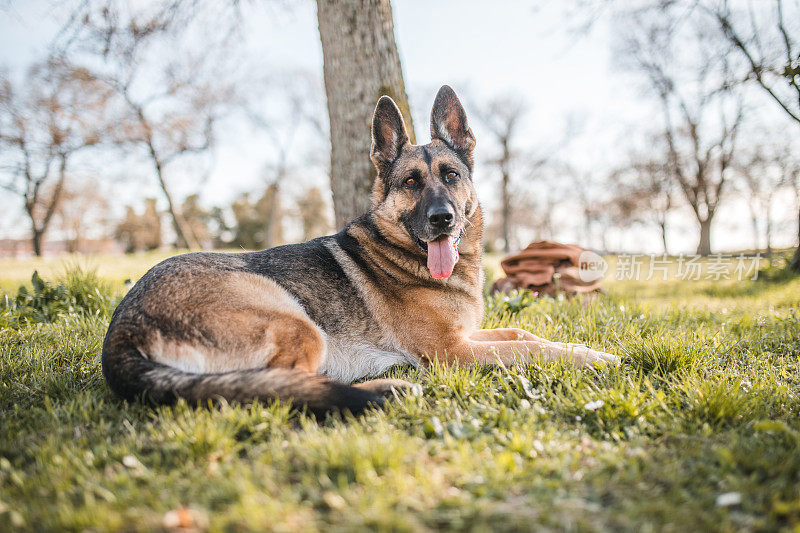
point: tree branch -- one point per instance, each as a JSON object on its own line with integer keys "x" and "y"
{"x": 756, "y": 68}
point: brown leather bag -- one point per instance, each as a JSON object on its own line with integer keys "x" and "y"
{"x": 546, "y": 268}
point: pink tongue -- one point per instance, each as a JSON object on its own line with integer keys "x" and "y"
{"x": 442, "y": 257}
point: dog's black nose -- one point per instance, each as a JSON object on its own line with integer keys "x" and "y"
{"x": 440, "y": 216}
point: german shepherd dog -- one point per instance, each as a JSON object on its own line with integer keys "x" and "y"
{"x": 401, "y": 284}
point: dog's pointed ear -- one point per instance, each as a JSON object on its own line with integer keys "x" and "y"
{"x": 388, "y": 133}
{"x": 449, "y": 122}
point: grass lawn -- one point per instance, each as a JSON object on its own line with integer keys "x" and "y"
{"x": 699, "y": 429}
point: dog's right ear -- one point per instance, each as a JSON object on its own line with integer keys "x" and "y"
{"x": 388, "y": 133}
{"x": 449, "y": 122}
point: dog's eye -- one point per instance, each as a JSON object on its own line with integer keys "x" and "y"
{"x": 451, "y": 176}
{"x": 410, "y": 182}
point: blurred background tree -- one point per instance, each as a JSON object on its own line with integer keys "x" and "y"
{"x": 170, "y": 102}
{"x": 644, "y": 193}
{"x": 259, "y": 224}
{"x": 83, "y": 211}
{"x": 57, "y": 112}
{"x": 701, "y": 116}
{"x": 312, "y": 210}
{"x": 739, "y": 44}
{"x": 142, "y": 232}
{"x": 501, "y": 117}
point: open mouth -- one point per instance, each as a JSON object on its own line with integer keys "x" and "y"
{"x": 423, "y": 245}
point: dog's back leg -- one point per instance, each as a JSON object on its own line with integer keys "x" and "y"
{"x": 236, "y": 336}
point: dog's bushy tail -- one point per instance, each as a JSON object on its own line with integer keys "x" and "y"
{"x": 134, "y": 377}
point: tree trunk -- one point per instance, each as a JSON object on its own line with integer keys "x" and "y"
{"x": 587, "y": 228}
{"x": 795, "y": 264}
{"x": 361, "y": 63}
{"x": 704, "y": 246}
{"x": 506, "y": 213}
{"x": 768, "y": 236}
{"x": 184, "y": 233}
{"x": 36, "y": 239}
{"x": 38, "y": 229}
{"x": 754, "y": 222}
{"x": 272, "y": 233}
{"x": 663, "y": 227}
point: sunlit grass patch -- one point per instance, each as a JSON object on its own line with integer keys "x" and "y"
{"x": 75, "y": 292}
{"x": 697, "y": 429}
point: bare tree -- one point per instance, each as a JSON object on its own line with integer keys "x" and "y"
{"x": 531, "y": 218}
{"x": 172, "y": 100}
{"x": 701, "y": 121}
{"x": 761, "y": 46}
{"x": 297, "y": 119}
{"x": 501, "y": 117}
{"x": 766, "y": 36}
{"x": 759, "y": 169}
{"x": 83, "y": 209}
{"x": 788, "y": 161}
{"x": 644, "y": 192}
{"x": 771, "y": 51}
{"x": 361, "y": 63}
{"x": 762, "y": 38}
{"x": 57, "y": 112}
{"x": 701, "y": 166}
{"x": 592, "y": 206}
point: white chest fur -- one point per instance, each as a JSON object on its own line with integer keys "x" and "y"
{"x": 348, "y": 361}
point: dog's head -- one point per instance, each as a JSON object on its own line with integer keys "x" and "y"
{"x": 423, "y": 196}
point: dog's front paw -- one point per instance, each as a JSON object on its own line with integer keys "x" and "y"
{"x": 586, "y": 357}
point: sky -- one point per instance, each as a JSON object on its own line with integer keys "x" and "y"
{"x": 568, "y": 78}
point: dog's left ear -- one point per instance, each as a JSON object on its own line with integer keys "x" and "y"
{"x": 449, "y": 122}
{"x": 388, "y": 133}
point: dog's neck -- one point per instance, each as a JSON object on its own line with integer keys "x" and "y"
{"x": 403, "y": 261}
